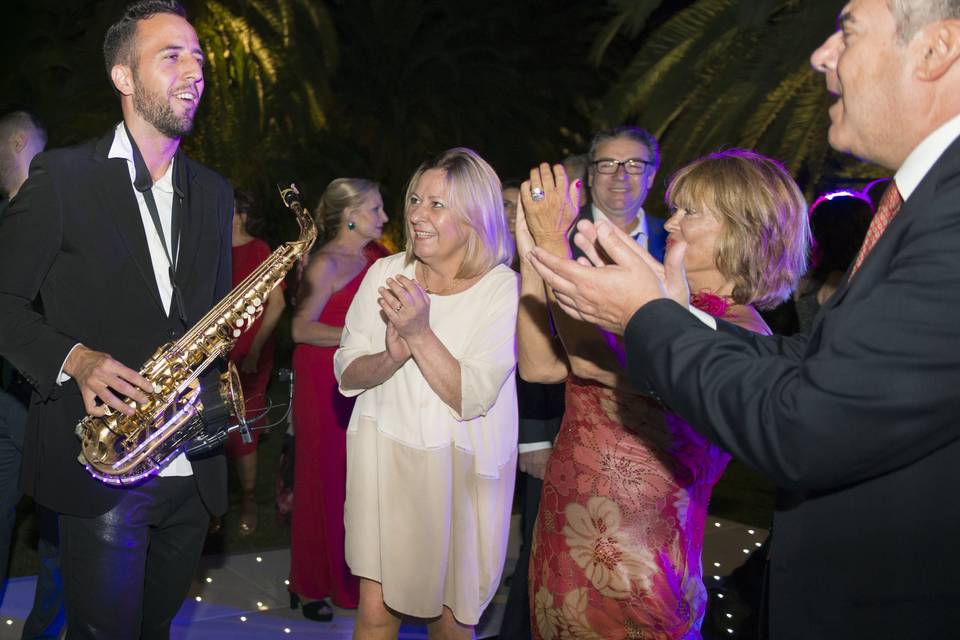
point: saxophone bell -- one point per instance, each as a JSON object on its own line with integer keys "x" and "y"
{"x": 221, "y": 398}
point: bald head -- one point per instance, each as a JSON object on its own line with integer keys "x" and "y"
{"x": 22, "y": 136}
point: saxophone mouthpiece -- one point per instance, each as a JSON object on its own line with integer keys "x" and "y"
{"x": 289, "y": 194}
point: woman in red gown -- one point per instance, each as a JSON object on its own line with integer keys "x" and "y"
{"x": 350, "y": 217}
{"x": 616, "y": 547}
{"x": 252, "y": 354}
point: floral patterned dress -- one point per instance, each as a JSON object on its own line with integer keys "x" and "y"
{"x": 616, "y": 548}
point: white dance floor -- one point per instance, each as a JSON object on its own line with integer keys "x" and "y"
{"x": 244, "y": 596}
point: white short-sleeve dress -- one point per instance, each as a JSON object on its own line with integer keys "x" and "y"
{"x": 429, "y": 491}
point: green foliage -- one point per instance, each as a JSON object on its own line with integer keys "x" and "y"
{"x": 730, "y": 73}
{"x": 269, "y": 64}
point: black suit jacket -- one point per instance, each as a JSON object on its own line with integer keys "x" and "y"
{"x": 860, "y": 419}
{"x": 73, "y": 237}
{"x": 656, "y": 234}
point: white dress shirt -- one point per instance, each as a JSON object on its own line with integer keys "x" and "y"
{"x": 639, "y": 232}
{"x": 923, "y": 157}
{"x": 163, "y": 195}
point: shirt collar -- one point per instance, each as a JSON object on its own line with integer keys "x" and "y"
{"x": 923, "y": 157}
{"x": 121, "y": 148}
{"x": 639, "y": 226}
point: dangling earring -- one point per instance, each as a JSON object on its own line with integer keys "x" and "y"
{"x": 351, "y": 225}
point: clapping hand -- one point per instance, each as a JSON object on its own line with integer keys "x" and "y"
{"x": 675, "y": 284}
{"x": 406, "y": 306}
{"x": 609, "y": 294}
{"x": 549, "y": 216}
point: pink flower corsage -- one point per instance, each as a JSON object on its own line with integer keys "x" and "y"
{"x": 710, "y": 303}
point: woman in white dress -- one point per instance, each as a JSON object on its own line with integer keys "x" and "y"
{"x": 428, "y": 348}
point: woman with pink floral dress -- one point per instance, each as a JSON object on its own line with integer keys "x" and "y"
{"x": 616, "y": 548}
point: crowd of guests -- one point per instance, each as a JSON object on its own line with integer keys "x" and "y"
{"x": 426, "y": 379}
{"x": 408, "y": 511}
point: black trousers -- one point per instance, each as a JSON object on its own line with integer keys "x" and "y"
{"x": 127, "y": 571}
{"x": 516, "y": 615}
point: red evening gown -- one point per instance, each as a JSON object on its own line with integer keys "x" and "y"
{"x": 320, "y": 417}
{"x": 246, "y": 258}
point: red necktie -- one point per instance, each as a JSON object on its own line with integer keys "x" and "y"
{"x": 886, "y": 211}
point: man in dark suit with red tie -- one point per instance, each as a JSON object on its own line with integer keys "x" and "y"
{"x": 859, "y": 418}
{"x": 125, "y": 243}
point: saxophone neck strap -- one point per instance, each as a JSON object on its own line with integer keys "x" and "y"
{"x": 143, "y": 182}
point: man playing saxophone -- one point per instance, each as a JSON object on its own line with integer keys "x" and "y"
{"x": 125, "y": 243}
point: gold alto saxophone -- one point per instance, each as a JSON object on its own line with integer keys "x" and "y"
{"x": 122, "y": 450}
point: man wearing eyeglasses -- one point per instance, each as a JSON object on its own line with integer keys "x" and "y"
{"x": 623, "y": 163}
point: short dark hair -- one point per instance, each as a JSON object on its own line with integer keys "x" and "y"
{"x": 118, "y": 43}
{"x": 636, "y": 134}
{"x": 22, "y": 119}
{"x": 839, "y": 222}
{"x": 245, "y": 202}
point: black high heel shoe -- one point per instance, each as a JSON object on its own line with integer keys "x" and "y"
{"x": 317, "y": 610}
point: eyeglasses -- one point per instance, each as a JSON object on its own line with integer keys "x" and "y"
{"x": 632, "y": 166}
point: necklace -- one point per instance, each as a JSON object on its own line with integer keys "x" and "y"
{"x": 426, "y": 285}
{"x": 456, "y": 285}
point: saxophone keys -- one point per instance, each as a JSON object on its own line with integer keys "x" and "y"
{"x": 236, "y": 333}
{"x": 251, "y": 309}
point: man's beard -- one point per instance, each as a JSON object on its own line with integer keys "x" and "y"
{"x": 155, "y": 109}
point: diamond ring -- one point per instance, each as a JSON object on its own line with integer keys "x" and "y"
{"x": 398, "y": 307}
{"x": 536, "y": 194}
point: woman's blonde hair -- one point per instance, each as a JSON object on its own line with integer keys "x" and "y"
{"x": 765, "y": 234}
{"x": 341, "y": 194}
{"x": 474, "y": 194}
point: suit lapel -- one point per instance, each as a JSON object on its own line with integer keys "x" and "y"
{"x": 191, "y": 219}
{"x": 586, "y": 213}
{"x": 656, "y": 237}
{"x": 115, "y": 192}
{"x": 881, "y": 253}
{"x": 874, "y": 264}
